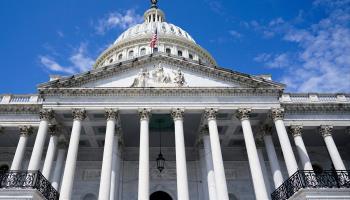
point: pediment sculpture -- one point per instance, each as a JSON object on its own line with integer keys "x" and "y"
{"x": 158, "y": 77}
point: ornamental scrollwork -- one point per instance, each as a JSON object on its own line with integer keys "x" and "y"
{"x": 111, "y": 114}
{"x": 177, "y": 113}
{"x": 211, "y": 113}
{"x": 326, "y": 130}
{"x": 243, "y": 113}
{"x": 25, "y": 130}
{"x": 46, "y": 114}
{"x": 296, "y": 130}
{"x": 277, "y": 114}
{"x": 144, "y": 113}
{"x": 79, "y": 114}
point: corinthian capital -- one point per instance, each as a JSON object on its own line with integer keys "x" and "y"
{"x": 25, "y": 130}
{"x": 296, "y": 130}
{"x": 79, "y": 114}
{"x": 53, "y": 130}
{"x": 46, "y": 114}
{"x": 111, "y": 114}
{"x": 277, "y": 114}
{"x": 177, "y": 113}
{"x": 210, "y": 113}
{"x": 144, "y": 113}
{"x": 326, "y": 130}
{"x": 243, "y": 113}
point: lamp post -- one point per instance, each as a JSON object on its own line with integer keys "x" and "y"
{"x": 160, "y": 159}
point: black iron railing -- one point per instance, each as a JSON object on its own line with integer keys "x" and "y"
{"x": 309, "y": 179}
{"x": 26, "y": 180}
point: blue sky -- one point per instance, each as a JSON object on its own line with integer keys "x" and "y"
{"x": 303, "y": 43}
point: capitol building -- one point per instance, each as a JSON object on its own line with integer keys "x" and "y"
{"x": 165, "y": 122}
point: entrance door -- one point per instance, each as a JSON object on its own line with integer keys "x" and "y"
{"x": 160, "y": 196}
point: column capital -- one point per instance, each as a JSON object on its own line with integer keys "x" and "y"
{"x": 326, "y": 130}
{"x": 25, "y": 130}
{"x": 79, "y": 114}
{"x": 46, "y": 114}
{"x": 145, "y": 113}
{"x": 210, "y": 113}
{"x": 243, "y": 113}
{"x": 277, "y": 113}
{"x": 111, "y": 114}
{"x": 178, "y": 113}
{"x": 54, "y": 130}
{"x": 296, "y": 130}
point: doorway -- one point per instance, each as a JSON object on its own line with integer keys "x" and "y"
{"x": 160, "y": 196}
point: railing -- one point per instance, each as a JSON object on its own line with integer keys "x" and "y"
{"x": 309, "y": 179}
{"x": 28, "y": 180}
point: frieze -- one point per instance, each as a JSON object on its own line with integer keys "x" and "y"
{"x": 312, "y": 108}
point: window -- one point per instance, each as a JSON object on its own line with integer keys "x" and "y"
{"x": 179, "y": 53}
{"x": 120, "y": 56}
{"x": 190, "y": 56}
{"x": 168, "y": 50}
{"x": 143, "y": 51}
{"x": 111, "y": 60}
{"x": 131, "y": 54}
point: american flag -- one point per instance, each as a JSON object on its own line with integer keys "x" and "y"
{"x": 154, "y": 40}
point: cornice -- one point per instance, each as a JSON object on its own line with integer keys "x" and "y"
{"x": 186, "y": 91}
{"x": 312, "y": 107}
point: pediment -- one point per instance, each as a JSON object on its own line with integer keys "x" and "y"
{"x": 160, "y": 72}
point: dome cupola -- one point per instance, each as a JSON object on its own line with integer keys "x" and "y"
{"x": 172, "y": 40}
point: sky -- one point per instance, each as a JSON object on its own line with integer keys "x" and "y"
{"x": 304, "y": 44}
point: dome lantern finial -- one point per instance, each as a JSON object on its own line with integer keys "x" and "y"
{"x": 154, "y": 3}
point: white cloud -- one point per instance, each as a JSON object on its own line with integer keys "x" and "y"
{"x": 322, "y": 61}
{"x": 118, "y": 20}
{"x": 79, "y": 62}
{"x": 235, "y": 34}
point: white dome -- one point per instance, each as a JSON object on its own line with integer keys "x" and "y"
{"x": 164, "y": 30}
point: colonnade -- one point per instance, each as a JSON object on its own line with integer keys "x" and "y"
{"x": 214, "y": 165}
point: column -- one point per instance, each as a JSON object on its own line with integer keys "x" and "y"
{"x": 25, "y": 132}
{"x": 143, "y": 190}
{"x": 271, "y": 154}
{"x": 278, "y": 115}
{"x": 45, "y": 116}
{"x": 326, "y": 132}
{"x": 253, "y": 158}
{"x": 264, "y": 170}
{"x": 210, "y": 176}
{"x": 69, "y": 169}
{"x": 106, "y": 170}
{"x": 296, "y": 131}
{"x": 57, "y": 172}
{"x": 180, "y": 150}
{"x": 51, "y": 150}
{"x": 219, "y": 171}
{"x": 115, "y": 176}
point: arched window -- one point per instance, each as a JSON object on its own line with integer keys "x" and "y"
{"x": 190, "y": 56}
{"x": 131, "y": 54}
{"x": 168, "y": 50}
{"x": 179, "y": 53}
{"x": 143, "y": 51}
{"x": 120, "y": 56}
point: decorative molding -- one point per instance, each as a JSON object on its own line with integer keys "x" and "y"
{"x": 178, "y": 113}
{"x": 319, "y": 107}
{"x": 112, "y": 114}
{"x": 210, "y": 113}
{"x": 326, "y": 130}
{"x": 26, "y": 130}
{"x": 243, "y": 113}
{"x": 20, "y": 108}
{"x": 79, "y": 114}
{"x": 296, "y": 130}
{"x": 145, "y": 113}
{"x": 46, "y": 114}
{"x": 277, "y": 114}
